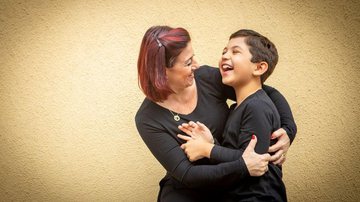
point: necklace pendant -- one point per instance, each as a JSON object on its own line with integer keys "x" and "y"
{"x": 176, "y": 117}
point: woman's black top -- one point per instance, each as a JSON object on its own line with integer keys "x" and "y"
{"x": 203, "y": 179}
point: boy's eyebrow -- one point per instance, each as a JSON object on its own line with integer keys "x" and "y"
{"x": 236, "y": 47}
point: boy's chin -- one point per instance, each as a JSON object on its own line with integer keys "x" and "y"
{"x": 226, "y": 82}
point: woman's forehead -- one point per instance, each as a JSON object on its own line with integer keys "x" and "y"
{"x": 187, "y": 53}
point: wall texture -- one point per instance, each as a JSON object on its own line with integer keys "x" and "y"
{"x": 69, "y": 92}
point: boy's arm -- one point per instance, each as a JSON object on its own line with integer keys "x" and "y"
{"x": 220, "y": 154}
{"x": 199, "y": 145}
{"x": 256, "y": 120}
{"x": 167, "y": 151}
{"x": 286, "y": 116}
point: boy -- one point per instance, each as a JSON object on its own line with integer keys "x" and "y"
{"x": 246, "y": 62}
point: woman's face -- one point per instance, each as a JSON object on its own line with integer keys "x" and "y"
{"x": 235, "y": 64}
{"x": 181, "y": 74}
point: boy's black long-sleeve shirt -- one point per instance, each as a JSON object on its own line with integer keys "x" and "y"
{"x": 256, "y": 115}
{"x": 159, "y": 131}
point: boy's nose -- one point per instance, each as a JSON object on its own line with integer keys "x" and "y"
{"x": 225, "y": 56}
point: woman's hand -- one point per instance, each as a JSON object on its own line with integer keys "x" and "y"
{"x": 257, "y": 164}
{"x": 280, "y": 148}
{"x": 197, "y": 130}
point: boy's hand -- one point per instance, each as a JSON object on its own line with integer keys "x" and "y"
{"x": 280, "y": 148}
{"x": 196, "y": 147}
{"x": 197, "y": 130}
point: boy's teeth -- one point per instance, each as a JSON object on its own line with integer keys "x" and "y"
{"x": 227, "y": 67}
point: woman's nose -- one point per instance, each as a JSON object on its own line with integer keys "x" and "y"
{"x": 195, "y": 65}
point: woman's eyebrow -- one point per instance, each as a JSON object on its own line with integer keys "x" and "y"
{"x": 186, "y": 61}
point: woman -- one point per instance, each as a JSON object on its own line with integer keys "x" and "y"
{"x": 176, "y": 94}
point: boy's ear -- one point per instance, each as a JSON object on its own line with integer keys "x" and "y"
{"x": 261, "y": 68}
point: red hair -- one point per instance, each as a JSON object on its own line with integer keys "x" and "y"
{"x": 159, "y": 48}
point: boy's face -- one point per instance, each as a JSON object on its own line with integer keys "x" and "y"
{"x": 235, "y": 65}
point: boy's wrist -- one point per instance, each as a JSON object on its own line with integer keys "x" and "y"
{"x": 207, "y": 149}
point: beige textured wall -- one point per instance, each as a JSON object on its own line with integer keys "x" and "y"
{"x": 69, "y": 92}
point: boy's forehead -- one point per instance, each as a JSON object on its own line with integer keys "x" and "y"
{"x": 237, "y": 41}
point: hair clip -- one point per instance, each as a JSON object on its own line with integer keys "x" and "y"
{"x": 158, "y": 41}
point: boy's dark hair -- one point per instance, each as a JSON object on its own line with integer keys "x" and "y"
{"x": 261, "y": 49}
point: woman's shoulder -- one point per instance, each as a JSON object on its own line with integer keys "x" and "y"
{"x": 210, "y": 76}
{"x": 206, "y": 71}
{"x": 146, "y": 110}
{"x": 150, "y": 114}
{"x": 210, "y": 80}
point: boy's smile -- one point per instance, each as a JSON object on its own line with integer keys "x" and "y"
{"x": 235, "y": 64}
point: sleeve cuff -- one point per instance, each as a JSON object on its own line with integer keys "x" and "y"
{"x": 215, "y": 152}
{"x": 245, "y": 170}
{"x": 216, "y": 142}
{"x": 291, "y": 137}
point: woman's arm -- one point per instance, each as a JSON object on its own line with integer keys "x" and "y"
{"x": 255, "y": 121}
{"x": 200, "y": 144}
{"x": 284, "y": 136}
{"x": 204, "y": 145}
{"x": 167, "y": 151}
{"x": 197, "y": 147}
{"x": 286, "y": 117}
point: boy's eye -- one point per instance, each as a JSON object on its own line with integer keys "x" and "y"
{"x": 224, "y": 51}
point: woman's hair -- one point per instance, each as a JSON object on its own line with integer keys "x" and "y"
{"x": 159, "y": 48}
{"x": 261, "y": 49}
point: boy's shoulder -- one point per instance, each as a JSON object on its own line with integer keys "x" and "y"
{"x": 258, "y": 102}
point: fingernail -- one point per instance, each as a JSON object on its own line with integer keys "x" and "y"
{"x": 253, "y": 136}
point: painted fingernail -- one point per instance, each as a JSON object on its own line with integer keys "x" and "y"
{"x": 253, "y": 136}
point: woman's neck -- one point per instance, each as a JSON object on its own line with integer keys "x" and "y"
{"x": 182, "y": 100}
{"x": 183, "y": 95}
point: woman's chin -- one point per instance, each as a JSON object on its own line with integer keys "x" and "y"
{"x": 190, "y": 82}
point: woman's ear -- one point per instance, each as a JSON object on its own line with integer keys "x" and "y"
{"x": 261, "y": 68}
{"x": 166, "y": 71}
